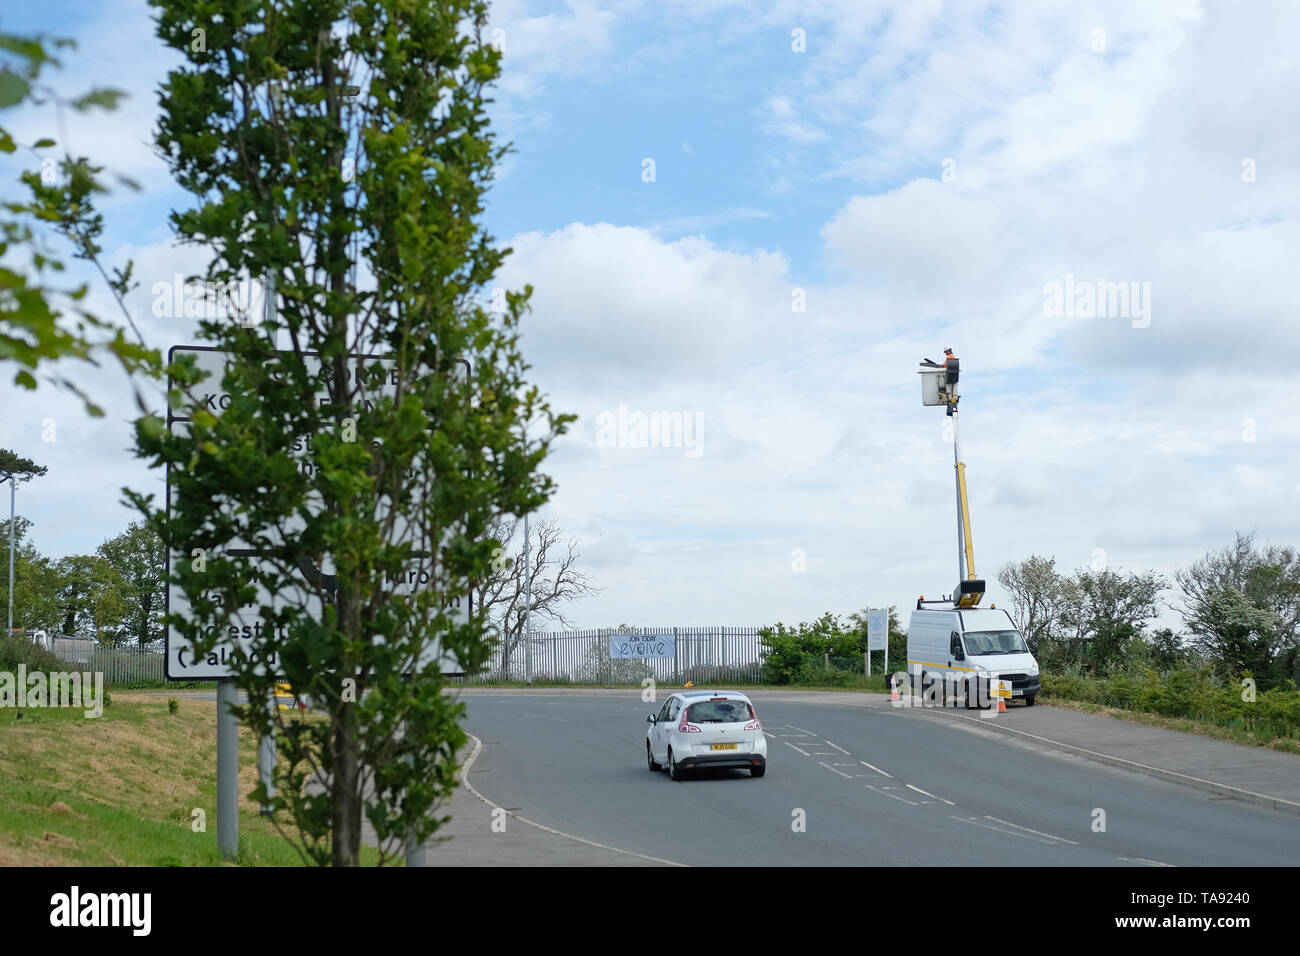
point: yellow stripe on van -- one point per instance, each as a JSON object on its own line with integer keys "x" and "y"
{"x": 944, "y": 666}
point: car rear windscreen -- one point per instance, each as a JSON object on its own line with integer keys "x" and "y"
{"x": 719, "y": 712}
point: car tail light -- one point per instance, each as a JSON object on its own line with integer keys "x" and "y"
{"x": 685, "y": 728}
{"x": 753, "y": 724}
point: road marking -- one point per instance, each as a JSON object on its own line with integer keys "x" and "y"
{"x": 1039, "y": 832}
{"x": 876, "y": 769}
{"x": 464, "y": 779}
{"x": 895, "y": 796}
{"x": 831, "y": 743}
{"x": 800, "y": 729}
{"x": 833, "y": 770}
{"x": 928, "y": 794}
{"x": 988, "y": 826}
{"x": 549, "y": 717}
{"x": 822, "y": 753}
{"x": 804, "y": 752}
{"x": 1138, "y": 859}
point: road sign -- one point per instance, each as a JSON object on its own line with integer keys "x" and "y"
{"x": 877, "y": 629}
{"x": 244, "y": 627}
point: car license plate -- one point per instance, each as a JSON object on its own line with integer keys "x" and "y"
{"x": 725, "y": 746}
{"x": 1018, "y": 693}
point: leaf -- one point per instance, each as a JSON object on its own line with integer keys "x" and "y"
{"x": 106, "y": 98}
{"x": 25, "y": 379}
{"x": 13, "y": 89}
{"x": 42, "y": 143}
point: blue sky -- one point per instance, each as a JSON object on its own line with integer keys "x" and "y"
{"x": 1101, "y": 140}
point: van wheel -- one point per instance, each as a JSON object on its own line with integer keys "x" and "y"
{"x": 1029, "y": 701}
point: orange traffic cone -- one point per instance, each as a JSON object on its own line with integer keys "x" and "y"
{"x": 1002, "y": 706}
{"x": 689, "y": 683}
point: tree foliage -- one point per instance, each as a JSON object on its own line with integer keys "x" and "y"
{"x": 1242, "y": 606}
{"x": 42, "y": 321}
{"x": 342, "y": 148}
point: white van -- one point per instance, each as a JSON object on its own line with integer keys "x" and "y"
{"x": 953, "y": 644}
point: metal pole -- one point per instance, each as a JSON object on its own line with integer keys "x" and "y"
{"x": 416, "y": 853}
{"x": 266, "y": 762}
{"x": 13, "y": 483}
{"x": 528, "y": 608}
{"x": 961, "y": 535}
{"x": 227, "y": 770}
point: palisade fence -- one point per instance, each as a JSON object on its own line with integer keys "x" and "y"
{"x": 123, "y": 665}
{"x": 705, "y": 655}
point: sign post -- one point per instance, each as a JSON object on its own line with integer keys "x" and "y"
{"x": 877, "y": 635}
{"x": 180, "y": 661}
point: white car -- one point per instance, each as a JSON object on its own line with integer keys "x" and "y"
{"x": 696, "y": 729}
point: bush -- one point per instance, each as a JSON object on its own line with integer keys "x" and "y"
{"x": 19, "y": 650}
{"x": 1189, "y": 691}
{"x": 173, "y": 705}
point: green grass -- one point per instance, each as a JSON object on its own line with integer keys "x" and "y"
{"x": 1237, "y": 735}
{"x": 121, "y": 789}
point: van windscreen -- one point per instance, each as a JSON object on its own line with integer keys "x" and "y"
{"x": 994, "y": 642}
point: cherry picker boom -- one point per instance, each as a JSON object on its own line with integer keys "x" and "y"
{"x": 939, "y": 387}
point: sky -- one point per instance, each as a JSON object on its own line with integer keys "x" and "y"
{"x": 839, "y": 189}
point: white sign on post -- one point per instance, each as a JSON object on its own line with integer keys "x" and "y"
{"x": 877, "y": 629}
{"x": 245, "y": 625}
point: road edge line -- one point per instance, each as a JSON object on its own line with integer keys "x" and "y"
{"x": 464, "y": 781}
{"x": 1211, "y": 786}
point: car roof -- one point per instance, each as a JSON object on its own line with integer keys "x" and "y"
{"x": 711, "y": 693}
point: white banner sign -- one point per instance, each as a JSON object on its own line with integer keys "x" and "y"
{"x": 642, "y": 645}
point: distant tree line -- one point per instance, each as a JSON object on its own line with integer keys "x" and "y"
{"x": 117, "y": 595}
{"x": 1239, "y": 607}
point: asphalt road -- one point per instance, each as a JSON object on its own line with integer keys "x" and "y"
{"x": 875, "y": 786}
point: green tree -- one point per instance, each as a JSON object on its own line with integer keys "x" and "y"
{"x": 41, "y": 322}
{"x": 1103, "y": 611}
{"x": 319, "y": 136}
{"x": 36, "y": 583}
{"x": 1242, "y": 607}
{"x": 86, "y": 604}
{"x": 1036, "y": 590}
{"x": 14, "y": 469}
{"x": 138, "y": 559}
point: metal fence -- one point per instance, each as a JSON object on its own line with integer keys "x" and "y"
{"x": 128, "y": 665}
{"x": 729, "y": 655}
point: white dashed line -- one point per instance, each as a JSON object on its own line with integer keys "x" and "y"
{"x": 1138, "y": 859}
{"x": 788, "y": 744}
{"x": 800, "y": 729}
{"x": 928, "y": 794}
{"x": 895, "y": 796}
{"x": 831, "y": 743}
{"x": 833, "y": 770}
{"x": 876, "y": 769}
{"x": 1039, "y": 832}
{"x": 988, "y": 826}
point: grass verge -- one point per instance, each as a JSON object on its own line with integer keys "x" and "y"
{"x": 1188, "y": 726}
{"x": 121, "y": 790}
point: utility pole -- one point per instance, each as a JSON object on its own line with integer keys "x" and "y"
{"x": 528, "y": 607}
{"x": 13, "y": 483}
